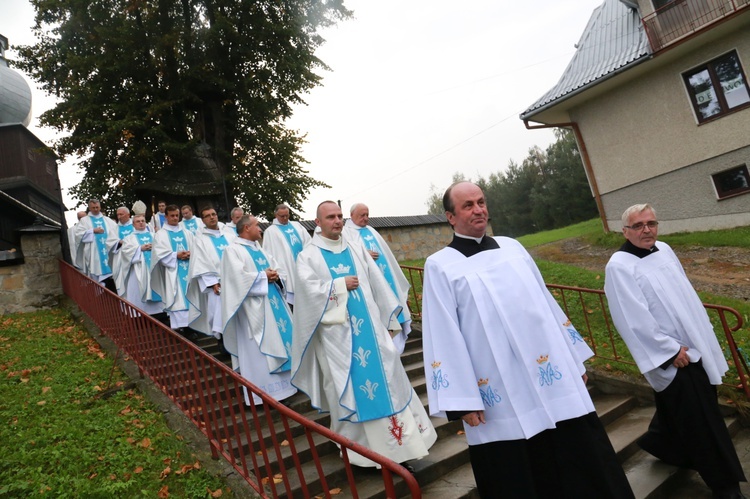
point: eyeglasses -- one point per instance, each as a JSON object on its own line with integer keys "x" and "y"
{"x": 641, "y": 225}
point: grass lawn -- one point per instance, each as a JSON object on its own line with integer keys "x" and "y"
{"x": 61, "y": 439}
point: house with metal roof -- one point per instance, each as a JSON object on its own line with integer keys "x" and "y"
{"x": 657, "y": 96}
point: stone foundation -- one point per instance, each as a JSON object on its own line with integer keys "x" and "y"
{"x": 35, "y": 283}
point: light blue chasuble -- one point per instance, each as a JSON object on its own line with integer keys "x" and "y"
{"x": 191, "y": 225}
{"x": 219, "y": 244}
{"x": 366, "y": 373}
{"x": 280, "y": 313}
{"x": 148, "y": 238}
{"x": 371, "y": 243}
{"x": 179, "y": 243}
{"x": 125, "y": 230}
{"x": 292, "y": 238}
{"x": 101, "y": 246}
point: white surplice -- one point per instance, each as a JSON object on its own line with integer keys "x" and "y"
{"x": 402, "y": 285}
{"x": 496, "y": 340}
{"x": 656, "y": 310}
{"x": 89, "y": 257}
{"x": 134, "y": 277}
{"x": 276, "y": 245}
{"x": 164, "y": 275}
{"x": 205, "y": 310}
{"x": 251, "y": 333}
{"x": 322, "y": 354}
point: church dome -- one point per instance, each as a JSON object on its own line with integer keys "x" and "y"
{"x": 15, "y": 93}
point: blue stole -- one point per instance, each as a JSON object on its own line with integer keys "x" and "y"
{"x": 295, "y": 243}
{"x": 147, "y": 238}
{"x": 162, "y": 219}
{"x": 101, "y": 245}
{"x": 179, "y": 243}
{"x": 219, "y": 244}
{"x": 366, "y": 374}
{"x": 280, "y": 312}
{"x": 191, "y": 225}
{"x": 371, "y": 243}
{"x": 125, "y": 230}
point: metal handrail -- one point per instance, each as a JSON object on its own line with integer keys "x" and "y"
{"x": 205, "y": 390}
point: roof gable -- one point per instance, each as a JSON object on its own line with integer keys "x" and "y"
{"x": 614, "y": 39}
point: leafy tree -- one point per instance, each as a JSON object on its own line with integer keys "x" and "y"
{"x": 547, "y": 190}
{"x": 435, "y": 200}
{"x": 145, "y": 87}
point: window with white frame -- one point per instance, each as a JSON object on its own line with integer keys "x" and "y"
{"x": 718, "y": 87}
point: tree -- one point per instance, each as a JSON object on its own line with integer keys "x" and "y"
{"x": 435, "y": 200}
{"x": 144, "y": 85}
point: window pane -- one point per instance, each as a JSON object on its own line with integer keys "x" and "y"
{"x": 732, "y": 181}
{"x": 732, "y": 83}
{"x": 703, "y": 90}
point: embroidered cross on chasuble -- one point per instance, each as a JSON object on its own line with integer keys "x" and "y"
{"x": 372, "y": 244}
{"x": 179, "y": 243}
{"x": 280, "y": 313}
{"x": 366, "y": 372}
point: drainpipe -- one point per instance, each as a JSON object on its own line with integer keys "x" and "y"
{"x": 586, "y": 163}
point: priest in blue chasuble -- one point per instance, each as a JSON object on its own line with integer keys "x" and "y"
{"x": 343, "y": 356}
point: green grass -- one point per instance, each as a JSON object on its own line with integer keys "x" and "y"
{"x": 588, "y": 228}
{"x": 57, "y": 438}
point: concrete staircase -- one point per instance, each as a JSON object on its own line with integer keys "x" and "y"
{"x": 446, "y": 472}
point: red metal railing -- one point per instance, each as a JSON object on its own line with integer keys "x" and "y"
{"x": 279, "y": 452}
{"x": 681, "y": 18}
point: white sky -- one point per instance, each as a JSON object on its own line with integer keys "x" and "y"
{"x": 418, "y": 90}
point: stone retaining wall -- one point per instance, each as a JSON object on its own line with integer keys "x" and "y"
{"x": 35, "y": 283}
{"x": 418, "y": 242}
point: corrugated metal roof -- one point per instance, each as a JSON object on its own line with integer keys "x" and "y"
{"x": 613, "y": 39}
{"x": 383, "y": 222}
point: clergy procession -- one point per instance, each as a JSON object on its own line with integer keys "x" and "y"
{"x": 328, "y": 316}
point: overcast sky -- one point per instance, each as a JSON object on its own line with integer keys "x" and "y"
{"x": 418, "y": 90}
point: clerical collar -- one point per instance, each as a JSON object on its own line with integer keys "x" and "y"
{"x": 477, "y": 239}
{"x": 470, "y": 246}
{"x": 334, "y": 245}
{"x": 173, "y": 228}
{"x": 276, "y": 222}
{"x": 247, "y": 242}
{"x": 213, "y": 232}
{"x": 631, "y": 248}
{"x": 350, "y": 223}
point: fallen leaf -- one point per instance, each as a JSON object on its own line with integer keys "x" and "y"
{"x": 335, "y": 492}
{"x": 97, "y": 388}
{"x": 113, "y": 477}
{"x": 24, "y": 380}
{"x": 285, "y": 443}
{"x": 46, "y": 389}
{"x": 145, "y": 443}
{"x": 264, "y": 480}
{"x": 41, "y": 402}
{"x": 167, "y": 460}
{"x": 130, "y": 440}
{"x": 100, "y": 458}
{"x": 165, "y": 473}
{"x": 215, "y": 493}
{"x": 197, "y": 465}
{"x": 460, "y": 432}
{"x": 163, "y": 492}
{"x": 92, "y": 476}
{"x": 138, "y": 469}
{"x": 185, "y": 468}
{"x": 127, "y": 410}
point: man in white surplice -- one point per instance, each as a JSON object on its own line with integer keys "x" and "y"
{"x": 387, "y": 263}
{"x": 204, "y": 284}
{"x": 170, "y": 262}
{"x": 285, "y": 239}
{"x": 662, "y": 320}
{"x": 501, "y": 355}
{"x": 134, "y": 279}
{"x": 189, "y": 221}
{"x": 343, "y": 356}
{"x": 258, "y": 327}
{"x": 72, "y": 237}
{"x": 96, "y": 237}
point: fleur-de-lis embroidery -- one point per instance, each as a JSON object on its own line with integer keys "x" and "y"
{"x": 184, "y": 265}
{"x": 261, "y": 262}
{"x": 368, "y": 238}
{"x": 281, "y": 323}
{"x": 354, "y": 293}
{"x": 369, "y": 388}
{"x": 362, "y": 355}
{"x": 274, "y": 302}
{"x": 356, "y": 325}
{"x": 490, "y": 397}
{"x": 104, "y": 251}
{"x": 383, "y": 267}
{"x": 222, "y": 247}
{"x": 288, "y": 348}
